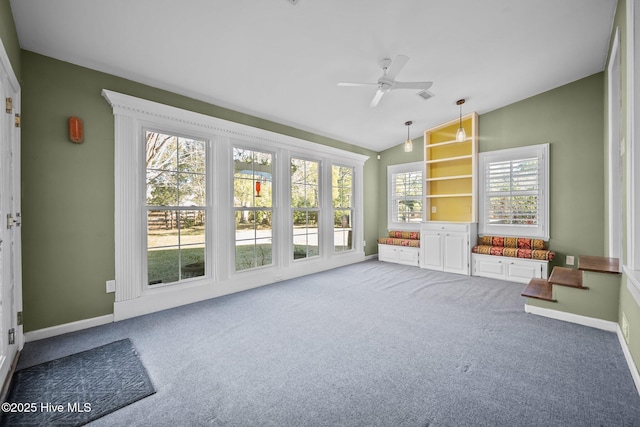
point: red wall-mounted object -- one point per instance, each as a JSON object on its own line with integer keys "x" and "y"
{"x": 76, "y": 131}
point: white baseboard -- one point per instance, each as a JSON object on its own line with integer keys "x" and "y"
{"x": 629, "y": 358}
{"x": 592, "y": 322}
{"x": 67, "y": 327}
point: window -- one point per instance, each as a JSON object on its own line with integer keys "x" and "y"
{"x": 405, "y": 195}
{"x": 342, "y": 195}
{"x": 305, "y": 194}
{"x": 253, "y": 205}
{"x": 176, "y": 207}
{"x": 514, "y": 192}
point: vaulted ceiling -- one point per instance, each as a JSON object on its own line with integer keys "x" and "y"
{"x": 282, "y": 61}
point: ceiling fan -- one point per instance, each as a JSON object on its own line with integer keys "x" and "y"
{"x": 387, "y": 82}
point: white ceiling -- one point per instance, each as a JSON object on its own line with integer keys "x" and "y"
{"x": 282, "y": 62}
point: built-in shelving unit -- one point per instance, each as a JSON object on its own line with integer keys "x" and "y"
{"x": 450, "y": 180}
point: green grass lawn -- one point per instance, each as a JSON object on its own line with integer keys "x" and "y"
{"x": 164, "y": 265}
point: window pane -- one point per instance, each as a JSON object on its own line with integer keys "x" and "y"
{"x": 191, "y": 155}
{"x": 162, "y": 229}
{"x": 342, "y": 179}
{"x": 406, "y": 197}
{"x": 304, "y": 183}
{"x": 254, "y": 234}
{"x": 163, "y": 265}
{"x": 253, "y": 176}
{"x": 342, "y": 235}
{"x": 192, "y": 189}
{"x": 161, "y": 151}
{"x": 305, "y": 234}
{"x": 513, "y": 188}
{"x": 162, "y": 188}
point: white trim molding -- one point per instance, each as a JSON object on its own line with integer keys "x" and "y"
{"x": 592, "y": 322}
{"x": 65, "y": 328}
{"x": 629, "y": 358}
{"x": 614, "y": 142}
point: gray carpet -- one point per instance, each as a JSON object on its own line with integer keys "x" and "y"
{"x": 371, "y": 344}
{"x": 76, "y": 389}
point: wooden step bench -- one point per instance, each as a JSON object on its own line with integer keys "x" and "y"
{"x": 540, "y": 289}
{"x": 566, "y": 277}
{"x": 570, "y": 277}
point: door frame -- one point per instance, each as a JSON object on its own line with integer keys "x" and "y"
{"x": 10, "y": 227}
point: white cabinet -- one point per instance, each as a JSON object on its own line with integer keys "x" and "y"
{"x": 399, "y": 254}
{"x": 445, "y": 246}
{"x": 507, "y": 268}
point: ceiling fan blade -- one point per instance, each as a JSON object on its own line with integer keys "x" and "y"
{"x": 412, "y": 85}
{"x": 376, "y": 99}
{"x": 398, "y": 64}
{"x": 349, "y": 84}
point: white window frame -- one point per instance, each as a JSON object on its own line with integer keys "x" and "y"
{"x": 274, "y": 219}
{"x": 391, "y": 171}
{"x": 321, "y": 209}
{"x": 631, "y": 261}
{"x": 131, "y": 115}
{"x": 541, "y": 231}
{"x": 206, "y": 208}
{"x": 351, "y": 207}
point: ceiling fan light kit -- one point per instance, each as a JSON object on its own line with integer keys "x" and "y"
{"x": 408, "y": 144}
{"x": 387, "y": 82}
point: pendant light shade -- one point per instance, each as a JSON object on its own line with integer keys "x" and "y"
{"x": 461, "y": 135}
{"x": 408, "y": 144}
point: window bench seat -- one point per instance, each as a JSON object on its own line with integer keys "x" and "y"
{"x": 401, "y": 247}
{"x": 515, "y": 259}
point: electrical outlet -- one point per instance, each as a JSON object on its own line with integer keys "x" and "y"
{"x": 625, "y": 328}
{"x": 111, "y": 286}
{"x": 433, "y": 209}
{"x": 364, "y": 243}
{"x": 570, "y": 260}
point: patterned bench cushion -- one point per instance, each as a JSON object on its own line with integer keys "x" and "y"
{"x": 516, "y": 247}
{"x": 401, "y": 238}
{"x": 399, "y": 242}
{"x": 512, "y": 242}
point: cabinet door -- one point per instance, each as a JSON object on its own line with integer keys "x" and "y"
{"x": 387, "y": 253}
{"x": 492, "y": 267}
{"x": 455, "y": 253}
{"x": 432, "y": 250}
{"x": 523, "y": 271}
{"x": 407, "y": 256}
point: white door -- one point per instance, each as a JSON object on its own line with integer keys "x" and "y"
{"x": 10, "y": 236}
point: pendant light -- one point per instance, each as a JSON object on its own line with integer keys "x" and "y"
{"x": 408, "y": 144}
{"x": 461, "y": 135}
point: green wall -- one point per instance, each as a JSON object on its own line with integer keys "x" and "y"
{"x": 68, "y": 189}
{"x": 9, "y": 36}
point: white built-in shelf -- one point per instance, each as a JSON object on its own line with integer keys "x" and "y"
{"x": 454, "y": 141}
{"x": 446, "y": 178}
{"x": 439, "y": 196}
{"x": 449, "y": 159}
